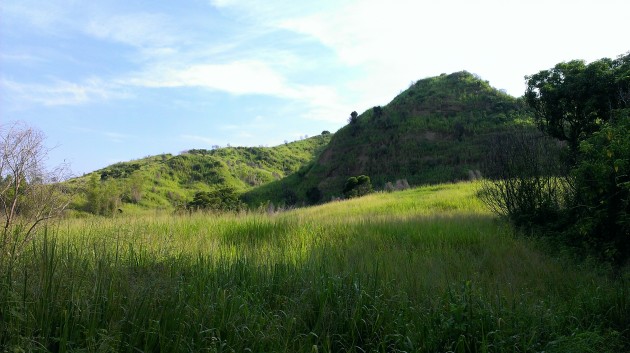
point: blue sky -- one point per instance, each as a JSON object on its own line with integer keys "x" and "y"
{"x": 114, "y": 80}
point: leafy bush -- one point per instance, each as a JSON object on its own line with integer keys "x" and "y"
{"x": 601, "y": 197}
{"x": 220, "y": 199}
{"x": 357, "y": 186}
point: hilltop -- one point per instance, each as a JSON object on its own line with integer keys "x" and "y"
{"x": 435, "y": 131}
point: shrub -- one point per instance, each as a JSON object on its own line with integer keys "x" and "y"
{"x": 357, "y": 186}
{"x": 525, "y": 178}
{"x": 221, "y": 199}
{"x": 601, "y": 195}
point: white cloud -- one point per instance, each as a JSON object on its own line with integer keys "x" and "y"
{"x": 239, "y": 77}
{"x": 61, "y": 92}
{"x": 116, "y": 137}
{"x": 138, "y": 30}
{"x": 398, "y": 41}
{"x": 40, "y": 15}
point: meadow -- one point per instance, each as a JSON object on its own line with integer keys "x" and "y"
{"x": 421, "y": 270}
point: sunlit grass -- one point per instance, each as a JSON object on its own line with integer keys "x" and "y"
{"x": 427, "y": 269}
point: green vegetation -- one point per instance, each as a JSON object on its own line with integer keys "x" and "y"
{"x": 588, "y": 106}
{"x": 424, "y": 270}
{"x": 223, "y": 199}
{"x": 438, "y": 130}
{"x": 357, "y": 186}
{"x": 429, "y": 269}
{"x": 171, "y": 182}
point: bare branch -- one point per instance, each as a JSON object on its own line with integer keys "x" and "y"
{"x": 29, "y": 194}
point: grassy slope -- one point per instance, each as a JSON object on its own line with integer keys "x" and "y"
{"x": 435, "y": 131}
{"x": 421, "y": 270}
{"x": 166, "y": 181}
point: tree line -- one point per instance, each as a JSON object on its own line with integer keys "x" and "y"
{"x": 572, "y": 179}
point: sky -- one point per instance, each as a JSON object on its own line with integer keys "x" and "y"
{"x": 116, "y": 80}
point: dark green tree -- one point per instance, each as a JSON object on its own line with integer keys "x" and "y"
{"x": 601, "y": 205}
{"x": 350, "y": 185}
{"x": 378, "y": 111}
{"x": 357, "y": 186}
{"x": 314, "y": 195}
{"x": 573, "y": 100}
{"x": 353, "y": 117}
{"x": 221, "y": 199}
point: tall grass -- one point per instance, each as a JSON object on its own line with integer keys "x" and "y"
{"x": 422, "y": 270}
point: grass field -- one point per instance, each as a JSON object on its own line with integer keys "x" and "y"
{"x": 423, "y": 270}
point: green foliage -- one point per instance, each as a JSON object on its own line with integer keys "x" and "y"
{"x": 101, "y": 198}
{"x": 587, "y": 106}
{"x": 435, "y": 131}
{"x": 357, "y": 186}
{"x": 314, "y": 195}
{"x": 573, "y": 99}
{"x": 222, "y": 199}
{"x": 602, "y": 189}
{"x": 169, "y": 182}
{"x": 119, "y": 170}
{"x": 422, "y": 270}
{"x": 353, "y": 117}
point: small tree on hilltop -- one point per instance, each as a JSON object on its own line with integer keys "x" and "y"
{"x": 354, "y": 116}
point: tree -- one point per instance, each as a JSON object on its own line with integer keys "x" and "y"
{"x": 572, "y": 100}
{"x": 102, "y": 196}
{"x": 353, "y": 117}
{"x": 30, "y": 195}
{"x": 378, "y": 111}
{"x": 221, "y": 199}
{"x": 601, "y": 197}
{"x": 357, "y": 186}
{"x": 314, "y": 195}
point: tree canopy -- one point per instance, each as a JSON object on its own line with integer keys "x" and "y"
{"x": 573, "y": 99}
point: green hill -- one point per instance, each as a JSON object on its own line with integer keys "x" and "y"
{"x": 168, "y": 182}
{"x": 435, "y": 131}
{"x": 438, "y": 130}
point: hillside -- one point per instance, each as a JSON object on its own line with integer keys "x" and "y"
{"x": 435, "y": 131}
{"x": 422, "y": 270}
{"x": 169, "y": 181}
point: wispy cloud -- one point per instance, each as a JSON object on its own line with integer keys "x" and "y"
{"x": 143, "y": 30}
{"x": 239, "y": 77}
{"x": 111, "y": 136}
{"x": 61, "y": 92}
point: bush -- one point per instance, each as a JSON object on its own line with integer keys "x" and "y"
{"x": 601, "y": 195}
{"x": 525, "y": 180}
{"x": 357, "y": 186}
{"x": 314, "y": 195}
{"x": 221, "y": 199}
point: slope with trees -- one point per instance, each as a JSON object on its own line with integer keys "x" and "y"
{"x": 171, "y": 182}
{"x": 436, "y": 131}
{"x": 588, "y": 107}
